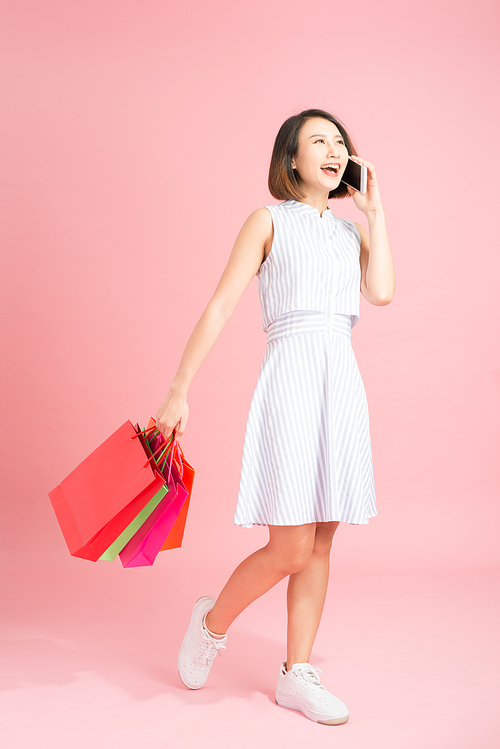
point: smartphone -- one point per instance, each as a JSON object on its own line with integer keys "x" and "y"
{"x": 355, "y": 176}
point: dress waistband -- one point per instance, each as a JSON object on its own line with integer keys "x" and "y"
{"x": 305, "y": 322}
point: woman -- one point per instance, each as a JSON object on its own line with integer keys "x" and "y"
{"x": 307, "y": 463}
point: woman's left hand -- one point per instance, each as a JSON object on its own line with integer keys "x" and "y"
{"x": 370, "y": 201}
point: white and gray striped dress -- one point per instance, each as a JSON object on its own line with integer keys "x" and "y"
{"x": 307, "y": 452}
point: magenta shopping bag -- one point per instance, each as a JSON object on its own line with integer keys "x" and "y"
{"x": 144, "y": 546}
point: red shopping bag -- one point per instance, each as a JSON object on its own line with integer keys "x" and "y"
{"x": 101, "y": 497}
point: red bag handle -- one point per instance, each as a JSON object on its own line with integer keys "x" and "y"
{"x": 144, "y": 431}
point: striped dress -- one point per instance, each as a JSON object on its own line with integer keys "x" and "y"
{"x": 307, "y": 450}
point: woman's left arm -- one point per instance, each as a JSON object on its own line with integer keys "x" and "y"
{"x": 378, "y": 279}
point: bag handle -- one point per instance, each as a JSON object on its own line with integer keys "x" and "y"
{"x": 162, "y": 447}
{"x": 169, "y": 448}
{"x": 144, "y": 432}
{"x": 172, "y": 442}
{"x": 175, "y": 452}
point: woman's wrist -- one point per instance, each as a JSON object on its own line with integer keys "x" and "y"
{"x": 179, "y": 389}
{"x": 375, "y": 214}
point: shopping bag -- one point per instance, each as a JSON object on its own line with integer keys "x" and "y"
{"x": 130, "y": 531}
{"x": 175, "y": 537}
{"x": 143, "y": 547}
{"x": 112, "y": 552}
{"x": 103, "y": 495}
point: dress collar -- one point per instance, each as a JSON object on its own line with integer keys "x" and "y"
{"x": 306, "y": 209}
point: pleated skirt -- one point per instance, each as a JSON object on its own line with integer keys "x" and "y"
{"x": 307, "y": 452}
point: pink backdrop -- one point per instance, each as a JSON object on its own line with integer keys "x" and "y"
{"x": 136, "y": 140}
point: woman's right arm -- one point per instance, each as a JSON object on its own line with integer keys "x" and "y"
{"x": 246, "y": 257}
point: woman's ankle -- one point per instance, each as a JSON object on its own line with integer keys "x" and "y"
{"x": 216, "y": 635}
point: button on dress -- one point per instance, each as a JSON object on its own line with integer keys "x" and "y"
{"x": 307, "y": 451}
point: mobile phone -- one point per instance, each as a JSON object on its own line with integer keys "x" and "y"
{"x": 355, "y": 176}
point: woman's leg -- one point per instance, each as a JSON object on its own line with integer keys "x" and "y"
{"x": 288, "y": 551}
{"x": 306, "y": 596}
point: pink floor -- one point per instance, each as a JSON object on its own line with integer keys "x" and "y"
{"x": 88, "y": 660}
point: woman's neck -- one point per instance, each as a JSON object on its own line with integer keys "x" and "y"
{"x": 316, "y": 200}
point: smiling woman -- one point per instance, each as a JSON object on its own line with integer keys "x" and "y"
{"x": 283, "y": 181}
{"x": 307, "y": 462}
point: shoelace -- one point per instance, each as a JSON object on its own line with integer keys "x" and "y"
{"x": 311, "y": 676}
{"x": 208, "y": 650}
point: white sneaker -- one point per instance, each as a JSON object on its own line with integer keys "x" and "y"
{"x": 198, "y": 648}
{"x": 301, "y": 689}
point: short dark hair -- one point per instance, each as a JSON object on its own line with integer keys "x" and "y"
{"x": 283, "y": 183}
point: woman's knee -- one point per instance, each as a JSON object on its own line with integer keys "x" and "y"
{"x": 290, "y": 564}
{"x": 294, "y": 561}
{"x": 290, "y": 552}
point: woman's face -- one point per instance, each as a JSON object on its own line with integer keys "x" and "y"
{"x": 321, "y": 157}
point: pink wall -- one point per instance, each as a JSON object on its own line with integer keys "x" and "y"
{"x": 136, "y": 140}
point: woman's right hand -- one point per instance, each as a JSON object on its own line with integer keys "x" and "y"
{"x": 172, "y": 414}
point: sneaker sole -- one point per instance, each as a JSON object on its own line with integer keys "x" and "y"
{"x": 193, "y": 615}
{"x": 293, "y": 704}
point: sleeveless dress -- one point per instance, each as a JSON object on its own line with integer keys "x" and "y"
{"x": 307, "y": 450}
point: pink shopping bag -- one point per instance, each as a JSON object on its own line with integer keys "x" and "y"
{"x": 143, "y": 548}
